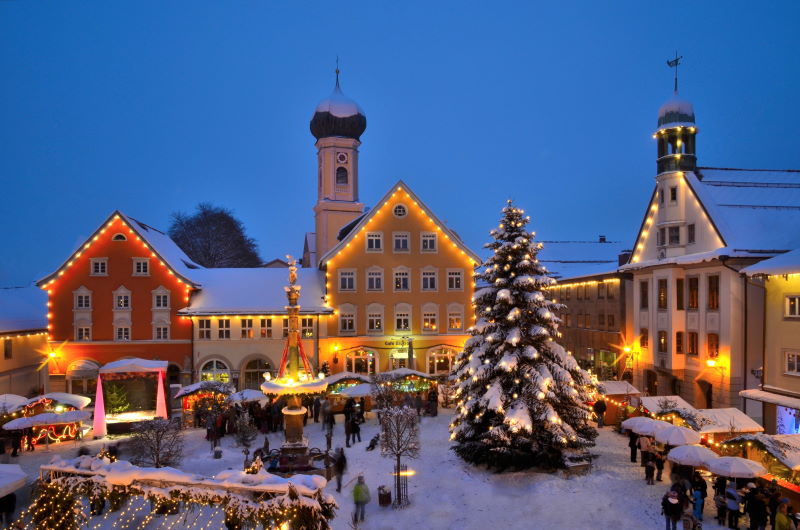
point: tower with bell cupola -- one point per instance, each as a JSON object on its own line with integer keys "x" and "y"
{"x": 676, "y": 131}
{"x": 337, "y": 124}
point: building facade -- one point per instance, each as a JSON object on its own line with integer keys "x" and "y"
{"x": 779, "y": 389}
{"x": 23, "y": 334}
{"x": 698, "y": 320}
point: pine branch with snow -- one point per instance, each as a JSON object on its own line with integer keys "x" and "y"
{"x": 521, "y": 398}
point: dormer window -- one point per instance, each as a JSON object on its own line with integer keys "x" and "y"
{"x": 119, "y": 237}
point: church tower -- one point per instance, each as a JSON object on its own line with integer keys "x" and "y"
{"x": 337, "y": 124}
{"x": 676, "y": 132}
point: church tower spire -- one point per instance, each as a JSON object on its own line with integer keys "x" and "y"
{"x": 337, "y": 124}
{"x": 676, "y": 131}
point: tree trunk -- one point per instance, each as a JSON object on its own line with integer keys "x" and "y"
{"x": 397, "y": 482}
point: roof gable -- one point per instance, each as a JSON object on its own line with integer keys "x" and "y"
{"x": 158, "y": 243}
{"x": 416, "y": 202}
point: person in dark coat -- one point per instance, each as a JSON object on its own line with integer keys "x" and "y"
{"x": 659, "y": 460}
{"x": 633, "y": 438}
{"x": 16, "y": 442}
{"x": 349, "y": 409}
{"x": 355, "y": 429}
{"x": 599, "y": 408}
{"x": 339, "y": 467}
{"x": 316, "y": 407}
{"x": 362, "y": 409}
{"x": 433, "y": 402}
{"x": 418, "y": 403}
{"x": 699, "y": 484}
{"x": 756, "y": 508}
{"x": 672, "y": 508}
{"x": 348, "y": 430}
{"x": 719, "y": 485}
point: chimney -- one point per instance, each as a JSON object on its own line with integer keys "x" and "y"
{"x": 624, "y": 257}
{"x": 602, "y": 239}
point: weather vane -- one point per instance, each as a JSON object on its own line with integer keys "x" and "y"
{"x": 337, "y": 70}
{"x": 672, "y": 64}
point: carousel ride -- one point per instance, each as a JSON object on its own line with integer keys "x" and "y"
{"x": 295, "y": 382}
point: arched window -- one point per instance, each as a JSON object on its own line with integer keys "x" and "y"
{"x": 361, "y": 361}
{"x": 441, "y": 360}
{"x": 119, "y": 237}
{"x": 341, "y": 176}
{"x": 253, "y": 373}
{"x": 215, "y": 371}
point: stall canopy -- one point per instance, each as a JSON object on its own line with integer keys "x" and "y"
{"x": 784, "y": 447}
{"x": 675, "y": 406}
{"x": 733, "y": 466}
{"x": 344, "y": 376}
{"x": 362, "y": 390}
{"x": 134, "y": 365}
{"x": 12, "y": 478}
{"x": 248, "y": 395}
{"x": 728, "y": 421}
{"x": 73, "y": 400}
{"x": 400, "y": 373}
{"x": 692, "y": 455}
{"x": 674, "y": 435}
{"x": 618, "y": 388}
{"x": 48, "y": 418}
{"x": 206, "y": 386}
{"x": 11, "y": 402}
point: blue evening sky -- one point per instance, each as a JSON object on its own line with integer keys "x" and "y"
{"x": 151, "y": 107}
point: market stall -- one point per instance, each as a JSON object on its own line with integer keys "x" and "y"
{"x": 621, "y": 399}
{"x": 49, "y": 427}
{"x": 129, "y": 391}
{"x": 673, "y": 409}
{"x": 725, "y": 424}
{"x": 208, "y": 395}
{"x": 339, "y": 382}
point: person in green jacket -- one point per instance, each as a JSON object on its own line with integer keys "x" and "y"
{"x": 361, "y": 498}
{"x": 782, "y": 521}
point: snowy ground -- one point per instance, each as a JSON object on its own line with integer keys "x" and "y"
{"x": 445, "y": 492}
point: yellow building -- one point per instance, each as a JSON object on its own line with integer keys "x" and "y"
{"x": 23, "y": 333}
{"x": 779, "y": 390}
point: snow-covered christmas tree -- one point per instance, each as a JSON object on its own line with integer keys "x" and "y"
{"x": 521, "y": 396}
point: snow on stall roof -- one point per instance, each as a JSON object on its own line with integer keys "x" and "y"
{"x": 205, "y": 386}
{"x": 134, "y": 365}
{"x": 47, "y": 418}
{"x": 11, "y": 402}
{"x": 12, "y": 478}
{"x": 399, "y": 373}
{"x": 653, "y": 403}
{"x": 73, "y": 400}
{"x": 618, "y": 388}
{"x": 788, "y": 263}
{"x": 573, "y": 259}
{"x": 724, "y": 419}
{"x": 255, "y": 291}
{"x": 341, "y": 376}
{"x": 362, "y": 390}
{"x": 770, "y": 397}
{"x": 248, "y": 395}
{"x": 23, "y": 309}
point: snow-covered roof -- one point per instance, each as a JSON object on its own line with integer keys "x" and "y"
{"x": 158, "y": 242}
{"x": 725, "y": 419}
{"x": 770, "y": 397}
{"x": 341, "y": 376}
{"x": 400, "y": 186}
{"x": 618, "y": 388}
{"x": 362, "y": 390}
{"x": 11, "y": 402}
{"x": 744, "y": 206}
{"x": 653, "y": 403}
{"x": 339, "y": 105}
{"x": 574, "y": 259}
{"x": 23, "y": 309}
{"x": 12, "y": 478}
{"x": 788, "y": 263}
{"x": 399, "y": 373}
{"x": 255, "y": 291}
{"x": 48, "y": 418}
{"x": 134, "y": 365}
{"x": 314, "y": 386}
{"x": 73, "y": 400}
{"x": 676, "y": 111}
{"x": 247, "y": 395}
{"x": 784, "y": 447}
{"x": 205, "y": 386}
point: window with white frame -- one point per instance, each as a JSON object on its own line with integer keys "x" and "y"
{"x": 266, "y": 328}
{"x": 375, "y": 323}
{"x": 123, "y": 333}
{"x": 83, "y": 301}
{"x": 161, "y": 301}
{"x": 122, "y": 301}
{"x": 792, "y": 306}
{"x": 98, "y": 266}
{"x": 792, "y": 363}
{"x": 441, "y": 361}
{"x": 347, "y": 322}
{"x": 401, "y": 280}
{"x": 375, "y": 280}
{"x": 347, "y": 280}
{"x": 161, "y": 333}
{"x": 247, "y": 328}
{"x": 204, "y": 328}
{"x": 141, "y": 266}
{"x": 400, "y": 241}
{"x": 428, "y": 243}
{"x": 307, "y": 327}
{"x": 455, "y": 280}
{"x": 215, "y": 371}
{"x": 285, "y": 332}
{"x": 374, "y": 241}
{"x": 360, "y": 361}
{"x": 429, "y": 322}
{"x": 224, "y": 328}
{"x": 83, "y": 333}
{"x": 402, "y": 321}
{"x": 455, "y": 318}
{"x": 428, "y": 280}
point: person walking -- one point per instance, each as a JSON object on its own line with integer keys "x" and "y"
{"x": 339, "y": 467}
{"x": 316, "y": 408}
{"x": 699, "y": 484}
{"x": 644, "y": 447}
{"x": 756, "y": 508}
{"x": 599, "y": 408}
{"x": 360, "y": 498}
{"x": 699, "y": 503}
{"x": 732, "y": 501}
{"x": 633, "y": 440}
{"x": 418, "y": 404}
{"x": 672, "y": 509}
{"x": 660, "y": 459}
{"x": 722, "y": 507}
{"x": 349, "y": 409}
{"x": 362, "y": 409}
{"x": 433, "y": 402}
{"x": 649, "y": 472}
{"x": 348, "y": 429}
{"x": 782, "y": 519}
{"x": 355, "y": 429}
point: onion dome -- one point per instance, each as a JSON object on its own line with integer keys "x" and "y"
{"x": 676, "y": 112}
{"x": 338, "y": 115}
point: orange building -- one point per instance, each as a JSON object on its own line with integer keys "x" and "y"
{"x": 117, "y": 296}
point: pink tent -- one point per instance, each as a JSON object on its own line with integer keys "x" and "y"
{"x": 99, "y": 425}
{"x": 161, "y": 402}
